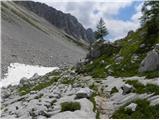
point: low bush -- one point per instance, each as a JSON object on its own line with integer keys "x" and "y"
{"x": 143, "y": 111}
{"x": 140, "y": 88}
{"x": 114, "y": 90}
{"x": 70, "y": 106}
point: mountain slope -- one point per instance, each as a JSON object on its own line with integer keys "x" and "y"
{"x": 125, "y": 57}
{"x": 64, "y": 21}
{"x": 30, "y": 39}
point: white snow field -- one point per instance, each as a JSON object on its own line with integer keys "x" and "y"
{"x": 16, "y": 71}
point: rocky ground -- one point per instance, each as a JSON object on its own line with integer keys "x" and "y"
{"x": 30, "y": 39}
{"x": 43, "y": 96}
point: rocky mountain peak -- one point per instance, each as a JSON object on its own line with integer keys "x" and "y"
{"x": 64, "y": 21}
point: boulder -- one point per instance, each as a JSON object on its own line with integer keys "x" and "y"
{"x": 84, "y": 93}
{"x": 150, "y": 62}
{"x": 126, "y": 88}
{"x": 132, "y": 107}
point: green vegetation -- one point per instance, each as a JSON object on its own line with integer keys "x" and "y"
{"x": 67, "y": 81}
{"x": 143, "y": 111}
{"x": 92, "y": 99}
{"x": 26, "y": 89}
{"x": 114, "y": 90}
{"x": 150, "y": 17}
{"x": 93, "y": 87}
{"x": 140, "y": 88}
{"x": 151, "y": 74}
{"x": 70, "y": 106}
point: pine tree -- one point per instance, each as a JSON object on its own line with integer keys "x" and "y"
{"x": 150, "y": 17}
{"x": 101, "y": 30}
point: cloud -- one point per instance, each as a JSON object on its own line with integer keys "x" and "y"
{"x": 89, "y": 13}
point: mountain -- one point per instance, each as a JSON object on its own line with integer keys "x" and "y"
{"x": 29, "y": 39}
{"x": 64, "y": 21}
{"x": 118, "y": 80}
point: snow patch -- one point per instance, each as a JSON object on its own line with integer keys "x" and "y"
{"x": 16, "y": 71}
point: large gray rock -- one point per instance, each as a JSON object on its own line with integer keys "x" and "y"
{"x": 150, "y": 62}
{"x": 84, "y": 93}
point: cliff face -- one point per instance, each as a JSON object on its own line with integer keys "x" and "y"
{"x": 66, "y": 22}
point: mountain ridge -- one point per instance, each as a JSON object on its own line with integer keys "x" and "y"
{"x": 64, "y": 21}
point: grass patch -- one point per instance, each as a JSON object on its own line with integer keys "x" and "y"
{"x": 70, "y": 106}
{"x": 140, "y": 88}
{"x": 151, "y": 74}
{"x": 93, "y": 87}
{"x": 26, "y": 89}
{"x": 114, "y": 90}
{"x": 67, "y": 81}
{"x": 143, "y": 111}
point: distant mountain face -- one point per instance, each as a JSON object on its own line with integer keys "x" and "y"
{"x": 66, "y": 22}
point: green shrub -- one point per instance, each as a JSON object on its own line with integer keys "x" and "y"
{"x": 143, "y": 111}
{"x": 114, "y": 90}
{"x": 152, "y": 88}
{"x": 26, "y": 89}
{"x": 67, "y": 81}
{"x": 140, "y": 88}
{"x": 151, "y": 74}
{"x": 70, "y": 106}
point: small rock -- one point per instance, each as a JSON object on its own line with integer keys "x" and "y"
{"x": 91, "y": 62}
{"x": 131, "y": 106}
{"x": 142, "y": 45}
{"x": 126, "y": 88}
{"x": 33, "y": 92}
{"x": 102, "y": 62}
{"x": 35, "y": 76}
{"x": 118, "y": 59}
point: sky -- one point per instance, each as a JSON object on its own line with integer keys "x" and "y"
{"x": 120, "y": 16}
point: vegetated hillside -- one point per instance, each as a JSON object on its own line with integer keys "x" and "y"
{"x": 30, "y": 39}
{"x": 123, "y": 58}
{"x": 64, "y": 21}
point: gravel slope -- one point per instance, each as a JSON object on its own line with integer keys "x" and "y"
{"x": 29, "y": 39}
